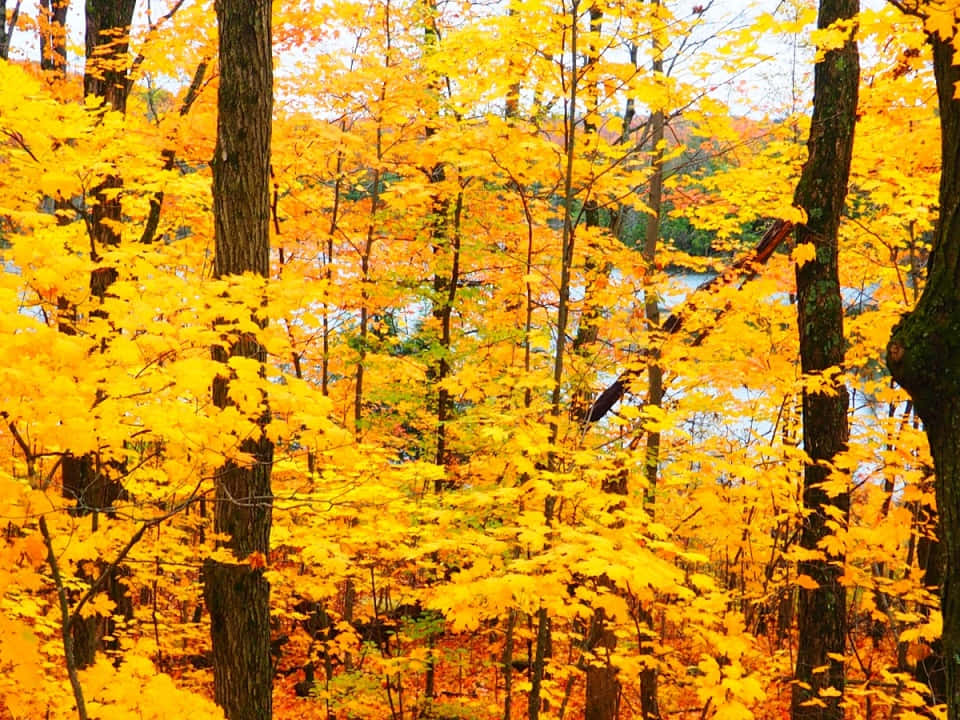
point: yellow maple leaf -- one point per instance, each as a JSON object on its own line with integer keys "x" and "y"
{"x": 100, "y": 605}
{"x": 35, "y": 549}
{"x": 804, "y": 253}
{"x": 939, "y": 21}
{"x": 807, "y": 582}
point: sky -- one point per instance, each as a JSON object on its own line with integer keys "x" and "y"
{"x": 780, "y": 80}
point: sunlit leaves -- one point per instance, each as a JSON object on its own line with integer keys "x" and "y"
{"x": 366, "y": 520}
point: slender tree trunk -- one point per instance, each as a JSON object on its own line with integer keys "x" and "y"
{"x": 6, "y": 29}
{"x": 445, "y": 239}
{"x": 588, "y": 329}
{"x": 931, "y": 670}
{"x": 237, "y": 595}
{"x": 445, "y": 294}
{"x": 169, "y": 156}
{"x": 363, "y": 330}
{"x": 649, "y": 694}
{"x": 53, "y": 36}
{"x": 924, "y": 357}
{"x": 601, "y": 685}
{"x": 822, "y": 611}
{"x": 650, "y": 242}
{"x": 542, "y": 646}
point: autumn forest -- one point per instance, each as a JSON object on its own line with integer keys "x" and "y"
{"x": 508, "y": 360}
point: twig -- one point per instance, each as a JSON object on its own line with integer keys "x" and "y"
{"x": 17, "y": 137}
{"x": 66, "y": 621}
{"x": 107, "y": 572}
{"x": 138, "y": 61}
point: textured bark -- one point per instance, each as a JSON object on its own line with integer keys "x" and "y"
{"x": 241, "y": 162}
{"x": 602, "y": 698}
{"x": 924, "y": 357}
{"x": 931, "y": 670}
{"x": 238, "y": 600}
{"x": 237, "y": 595}
{"x": 821, "y": 614}
{"x": 107, "y": 40}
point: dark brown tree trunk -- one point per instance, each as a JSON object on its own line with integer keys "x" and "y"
{"x": 821, "y": 191}
{"x": 92, "y": 485}
{"x": 105, "y": 76}
{"x": 651, "y": 301}
{"x": 95, "y": 492}
{"x": 107, "y": 40}
{"x": 237, "y": 595}
{"x": 602, "y": 698}
{"x": 7, "y": 28}
{"x": 924, "y": 357}
{"x": 931, "y": 669}
{"x": 588, "y": 329}
{"x": 170, "y": 156}
{"x": 53, "y": 36}
{"x": 445, "y": 240}
{"x": 601, "y": 684}
{"x": 543, "y": 645}
{"x": 649, "y": 684}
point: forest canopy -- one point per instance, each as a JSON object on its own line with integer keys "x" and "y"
{"x": 313, "y": 319}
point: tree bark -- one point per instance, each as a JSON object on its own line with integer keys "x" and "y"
{"x": 924, "y": 357}
{"x": 237, "y": 595}
{"x": 107, "y": 40}
{"x": 821, "y": 191}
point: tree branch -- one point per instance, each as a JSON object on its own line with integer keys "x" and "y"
{"x": 744, "y": 267}
{"x": 108, "y": 571}
{"x": 66, "y": 621}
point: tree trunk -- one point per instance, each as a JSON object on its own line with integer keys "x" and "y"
{"x": 237, "y": 595}
{"x": 107, "y": 40}
{"x": 924, "y": 357}
{"x": 53, "y": 36}
{"x": 931, "y": 670}
{"x": 105, "y": 76}
{"x": 821, "y": 191}
{"x": 649, "y": 692}
{"x": 6, "y": 29}
{"x": 92, "y": 485}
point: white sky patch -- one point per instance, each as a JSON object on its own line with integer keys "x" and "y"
{"x": 776, "y": 80}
